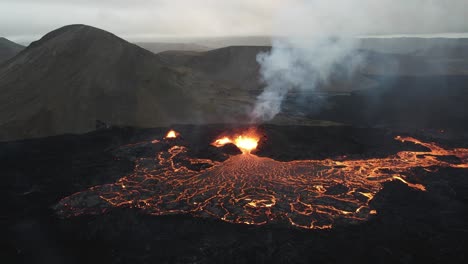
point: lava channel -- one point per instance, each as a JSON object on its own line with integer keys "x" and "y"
{"x": 245, "y": 188}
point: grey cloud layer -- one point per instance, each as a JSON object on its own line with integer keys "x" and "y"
{"x": 231, "y": 17}
{"x": 141, "y": 17}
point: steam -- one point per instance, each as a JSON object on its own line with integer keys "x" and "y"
{"x": 319, "y": 38}
{"x": 302, "y": 65}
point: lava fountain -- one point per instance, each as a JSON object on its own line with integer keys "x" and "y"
{"x": 171, "y": 134}
{"x": 247, "y": 189}
{"x": 246, "y": 142}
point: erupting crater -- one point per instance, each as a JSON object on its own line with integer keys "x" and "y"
{"x": 245, "y": 188}
{"x": 171, "y": 134}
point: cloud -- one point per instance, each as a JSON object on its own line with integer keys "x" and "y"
{"x": 175, "y": 18}
{"x": 227, "y": 17}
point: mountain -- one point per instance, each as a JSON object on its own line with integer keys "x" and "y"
{"x": 76, "y": 75}
{"x": 8, "y": 49}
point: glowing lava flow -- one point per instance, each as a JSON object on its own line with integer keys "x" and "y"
{"x": 313, "y": 194}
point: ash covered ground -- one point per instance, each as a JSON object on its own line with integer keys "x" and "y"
{"x": 410, "y": 225}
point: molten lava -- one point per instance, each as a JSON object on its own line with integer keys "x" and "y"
{"x": 171, "y": 134}
{"x": 246, "y": 142}
{"x": 312, "y": 194}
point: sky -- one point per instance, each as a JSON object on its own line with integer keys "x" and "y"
{"x": 26, "y": 20}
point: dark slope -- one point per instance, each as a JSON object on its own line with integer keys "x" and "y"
{"x": 235, "y": 64}
{"x": 78, "y": 74}
{"x": 8, "y": 49}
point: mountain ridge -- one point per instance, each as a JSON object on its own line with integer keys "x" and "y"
{"x": 78, "y": 76}
{"x": 8, "y": 49}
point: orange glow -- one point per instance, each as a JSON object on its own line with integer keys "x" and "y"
{"x": 222, "y": 141}
{"x": 246, "y": 142}
{"x": 172, "y": 134}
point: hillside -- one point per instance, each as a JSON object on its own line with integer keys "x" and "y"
{"x": 77, "y": 75}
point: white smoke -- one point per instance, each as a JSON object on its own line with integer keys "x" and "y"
{"x": 319, "y": 35}
{"x": 297, "y": 65}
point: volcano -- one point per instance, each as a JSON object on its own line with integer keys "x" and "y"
{"x": 111, "y": 153}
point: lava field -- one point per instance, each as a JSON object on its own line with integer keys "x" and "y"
{"x": 298, "y": 194}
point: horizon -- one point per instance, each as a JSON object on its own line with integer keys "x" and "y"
{"x": 26, "y": 40}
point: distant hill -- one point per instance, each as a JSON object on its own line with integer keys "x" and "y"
{"x": 234, "y": 64}
{"x": 408, "y": 45}
{"x": 8, "y": 49}
{"x": 221, "y": 42}
{"x": 157, "y": 47}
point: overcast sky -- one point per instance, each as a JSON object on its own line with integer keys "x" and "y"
{"x": 25, "y": 20}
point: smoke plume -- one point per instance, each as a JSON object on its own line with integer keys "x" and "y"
{"x": 298, "y": 65}
{"x": 317, "y": 37}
